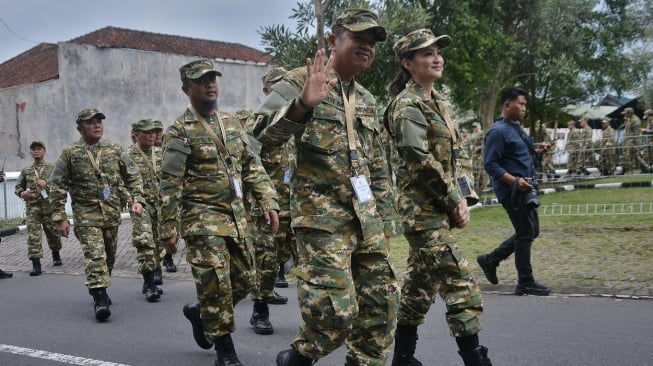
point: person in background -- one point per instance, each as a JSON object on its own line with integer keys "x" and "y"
{"x": 432, "y": 201}
{"x": 208, "y": 165}
{"x": 476, "y": 153}
{"x": 4, "y": 274}
{"x": 272, "y": 250}
{"x": 32, "y": 186}
{"x": 342, "y": 205}
{"x": 608, "y": 156}
{"x": 145, "y": 237}
{"x": 93, "y": 171}
{"x": 510, "y": 161}
{"x": 587, "y": 150}
{"x": 574, "y": 150}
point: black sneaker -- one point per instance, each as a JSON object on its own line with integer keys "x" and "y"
{"x": 489, "y": 267}
{"x": 532, "y": 288}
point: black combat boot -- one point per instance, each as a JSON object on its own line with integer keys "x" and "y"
{"x": 158, "y": 276}
{"x": 56, "y": 258}
{"x": 4, "y": 274}
{"x": 476, "y": 357}
{"x": 169, "y": 263}
{"x": 224, "y": 348}
{"x": 260, "y": 319}
{"x": 489, "y": 264}
{"x": 281, "y": 277}
{"x": 101, "y": 303}
{"x": 291, "y": 357}
{"x": 405, "y": 344}
{"x": 278, "y": 299}
{"x": 192, "y": 313}
{"x": 36, "y": 267}
{"x": 151, "y": 290}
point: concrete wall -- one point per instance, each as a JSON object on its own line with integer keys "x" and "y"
{"x": 124, "y": 84}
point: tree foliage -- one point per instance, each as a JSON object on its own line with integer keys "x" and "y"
{"x": 560, "y": 51}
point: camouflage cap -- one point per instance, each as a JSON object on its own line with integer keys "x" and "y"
{"x": 244, "y": 113}
{"x": 476, "y": 124}
{"x": 144, "y": 125}
{"x": 628, "y": 110}
{"x": 418, "y": 39}
{"x": 273, "y": 75}
{"x": 157, "y": 124}
{"x": 359, "y": 20}
{"x": 89, "y": 113}
{"x": 196, "y": 69}
{"x": 36, "y": 143}
{"x": 648, "y": 112}
{"x": 605, "y": 120}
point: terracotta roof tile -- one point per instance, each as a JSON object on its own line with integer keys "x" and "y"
{"x": 32, "y": 66}
{"x": 40, "y": 63}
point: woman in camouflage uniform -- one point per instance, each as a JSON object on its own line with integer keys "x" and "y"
{"x": 433, "y": 197}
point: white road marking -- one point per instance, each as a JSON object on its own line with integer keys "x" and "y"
{"x": 59, "y": 357}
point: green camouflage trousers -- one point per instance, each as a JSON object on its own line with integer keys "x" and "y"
{"x": 99, "y": 245}
{"x": 435, "y": 264}
{"x": 223, "y": 269}
{"x": 143, "y": 240}
{"x": 347, "y": 292}
{"x": 34, "y": 221}
{"x": 270, "y": 251}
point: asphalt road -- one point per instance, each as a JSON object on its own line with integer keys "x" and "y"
{"x": 53, "y": 314}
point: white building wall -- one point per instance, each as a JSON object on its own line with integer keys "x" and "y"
{"x": 124, "y": 84}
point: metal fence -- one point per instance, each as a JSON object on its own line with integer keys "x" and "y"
{"x": 12, "y": 208}
{"x": 585, "y": 209}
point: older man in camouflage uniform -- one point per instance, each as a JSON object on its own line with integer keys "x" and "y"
{"x": 32, "y": 186}
{"x": 208, "y": 164}
{"x": 272, "y": 250}
{"x": 608, "y": 160}
{"x": 145, "y": 236}
{"x": 341, "y": 199}
{"x": 92, "y": 171}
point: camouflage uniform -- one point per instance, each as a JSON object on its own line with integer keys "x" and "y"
{"x": 145, "y": 228}
{"x": 346, "y": 286}
{"x": 631, "y": 143}
{"x": 428, "y": 192}
{"x": 608, "y": 161}
{"x": 198, "y": 197}
{"x": 574, "y": 151}
{"x": 39, "y": 210}
{"x": 476, "y": 153}
{"x": 279, "y": 163}
{"x": 587, "y": 149}
{"x": 96, "y": 219}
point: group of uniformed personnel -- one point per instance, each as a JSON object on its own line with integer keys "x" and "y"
{"x": 632, "y": 152}
{"x": 309, "y": 171}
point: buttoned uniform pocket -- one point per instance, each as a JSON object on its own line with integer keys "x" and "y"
{"x": 326, "y": 132}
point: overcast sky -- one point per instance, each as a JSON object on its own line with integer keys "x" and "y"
{"x": 26, "y": 23}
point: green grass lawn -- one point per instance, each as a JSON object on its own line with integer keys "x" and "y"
{"x": 592, "y": 251}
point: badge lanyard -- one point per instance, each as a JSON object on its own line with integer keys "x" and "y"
{"x": 37, "y": 173}
{"x": 152, "y": 162}
{"x": 359, "y": 182}
{"x": 106, "y": 191}
{"x": 222, "y": 149}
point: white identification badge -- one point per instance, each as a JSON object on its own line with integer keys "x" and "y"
{"x": 464, "y": 186}
{"x": 44, "y": 194}
{"x": 362, "y": 188}
{"x": 237, "y": 188}
{"x": 106, "y": 192}
{"x": 286, "y": 176}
